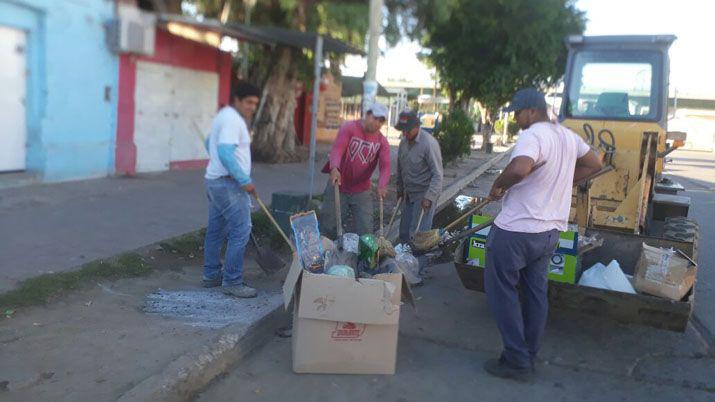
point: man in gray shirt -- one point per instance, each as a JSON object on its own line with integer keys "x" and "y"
{"x": 419, "y": 175}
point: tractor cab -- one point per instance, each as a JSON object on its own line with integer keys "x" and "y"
{"x": 616, "y": 96}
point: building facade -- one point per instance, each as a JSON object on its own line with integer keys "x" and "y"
{"x": 59, "y": 100}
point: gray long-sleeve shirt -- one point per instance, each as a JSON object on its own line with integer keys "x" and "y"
{"x": 419, "y": 168}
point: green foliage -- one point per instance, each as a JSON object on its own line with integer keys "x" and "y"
{"x": 487, "y": 49}
{"x": 512, "y": 127}
{"x": 343, "y": 20}
{"x": 454, "y": 135}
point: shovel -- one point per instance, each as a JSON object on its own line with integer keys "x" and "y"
{"x": 273, "y": 221}
{"x": 269, "y": 262}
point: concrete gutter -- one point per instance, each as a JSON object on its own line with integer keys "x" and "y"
{"x": 183, "y": 378}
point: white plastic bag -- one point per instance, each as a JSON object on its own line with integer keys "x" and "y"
{"x": 408, "y": 264}
{"x": 609, "y": 277}
{"x": 350, "y": 242}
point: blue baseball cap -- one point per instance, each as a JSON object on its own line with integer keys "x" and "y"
{"x": 407, "y": 121}
{"x": 526, "y": 98}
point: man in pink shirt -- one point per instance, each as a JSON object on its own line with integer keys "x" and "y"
{"x": 359, "y": 148}
{"x": 536, "y": 186}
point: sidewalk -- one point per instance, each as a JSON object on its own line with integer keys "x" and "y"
{"x": 158, "y": 337}
{"x": 53, "y": 228}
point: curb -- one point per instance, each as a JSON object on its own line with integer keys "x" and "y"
{"x": 453, "y": 189}
{"x": 183, "y": 378}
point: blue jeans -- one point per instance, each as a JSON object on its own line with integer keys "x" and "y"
{"x": 411, "y": 209}
{"x": 516, "y": 259}
{"x": 229, "y": 217}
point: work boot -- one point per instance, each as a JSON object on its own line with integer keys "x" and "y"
{"x": 500, "y": 368}
{"x": 211, "y": 283}
{"x": 242, "y": 291}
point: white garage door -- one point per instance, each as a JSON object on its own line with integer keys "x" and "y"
{"x": 13, "y": 131}
{"x": 168, "y": 100}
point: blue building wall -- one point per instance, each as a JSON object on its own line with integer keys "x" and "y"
{"x": 72, "y": 86}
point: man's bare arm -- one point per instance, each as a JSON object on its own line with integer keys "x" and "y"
{"x": 586, "y": 166}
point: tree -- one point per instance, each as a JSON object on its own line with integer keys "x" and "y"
{"x": 282, "y": 71}
{"x": 487, "y": 49}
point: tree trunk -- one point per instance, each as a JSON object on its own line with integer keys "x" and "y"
{"x": 274, "y": 136}
{"x": 487, "y": 127}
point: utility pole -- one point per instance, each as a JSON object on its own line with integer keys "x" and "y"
{"x": 318, "y": 74}
{"x": 373, "y": 52}
{"x": 248, "y": 7}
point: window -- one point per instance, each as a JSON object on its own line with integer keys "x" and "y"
{"x": 614, "y": 84}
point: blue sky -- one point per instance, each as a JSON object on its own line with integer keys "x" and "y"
{"x": 692, "y": 55}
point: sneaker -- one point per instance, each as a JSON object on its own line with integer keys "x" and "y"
{"x": 242, "y": 290}
{"x": 499, "y": 368}
{"x": 211, "y": 283}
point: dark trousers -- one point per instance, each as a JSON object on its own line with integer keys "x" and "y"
{"x": 519, "y": 259}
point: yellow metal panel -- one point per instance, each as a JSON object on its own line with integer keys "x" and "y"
{"x": 622, "y": 185}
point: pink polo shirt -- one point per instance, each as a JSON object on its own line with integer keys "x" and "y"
{"x": 541, "y": 202}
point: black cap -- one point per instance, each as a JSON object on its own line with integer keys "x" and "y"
{"x": 527, "y": 98}
{"x": 407, "y": 121}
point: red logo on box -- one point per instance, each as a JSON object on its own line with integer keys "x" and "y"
{"x": 348, "y": 331}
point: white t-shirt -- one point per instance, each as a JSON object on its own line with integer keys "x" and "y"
{"x": 541, "y": 202}
{"x": 228, "y": 127}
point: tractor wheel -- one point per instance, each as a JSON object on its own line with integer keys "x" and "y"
{"x": 683, "y": 229}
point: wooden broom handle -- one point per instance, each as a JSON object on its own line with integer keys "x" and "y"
{"x": 394, "y": 214}
{"x": 471, "y": 211}
{"x": 270, "y": 216}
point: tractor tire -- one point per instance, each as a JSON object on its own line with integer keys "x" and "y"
{"x": 683, "y": 229}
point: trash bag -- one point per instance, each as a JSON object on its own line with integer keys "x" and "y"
{"x": 408, "y": 264}
{"x": 350, "y": 242}
{"x": 341, "y": 270}
{"x": 327, "y": 243}
{"x": 367, "y": 251}
{"x": 609, "y": 277}
{"x": 388, "y": 265}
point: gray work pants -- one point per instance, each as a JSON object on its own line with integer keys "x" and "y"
{"x": 519, "y": 259}
{"x": 358, "y": 205}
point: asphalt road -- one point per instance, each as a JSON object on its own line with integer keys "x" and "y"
{"x": 696, "y": 172}
{"x": 445, "y": 341}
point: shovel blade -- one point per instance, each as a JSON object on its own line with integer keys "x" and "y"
{"x": 267, "y": 260}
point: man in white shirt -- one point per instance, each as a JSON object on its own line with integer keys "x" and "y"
{"x": 229, "y": 186}
{"x": 536, "y": 186}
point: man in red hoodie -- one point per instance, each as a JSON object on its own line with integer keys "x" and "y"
{"x": 357, "y": 151}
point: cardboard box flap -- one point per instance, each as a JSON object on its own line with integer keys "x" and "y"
{"x": 366, "y": 301}
{"x": 406, "y": 294}
{"x": 291, "y": 281}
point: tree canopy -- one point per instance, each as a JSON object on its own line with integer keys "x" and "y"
{"x": 487, "y": 49}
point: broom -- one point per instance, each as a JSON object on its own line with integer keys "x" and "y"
{"x": 431, "y": 238}
{"x": 384, "y": 246}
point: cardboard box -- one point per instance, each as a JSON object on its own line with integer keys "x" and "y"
{"x": 562, "y": 267}
{"x": 664, "y": 273}
{"x": 344, "y": 326}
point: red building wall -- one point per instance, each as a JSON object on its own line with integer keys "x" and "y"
{"x": 171, "y": 50}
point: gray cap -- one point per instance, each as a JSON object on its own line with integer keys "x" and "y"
{"x": 526, "y": 98}
{"x": 378, "y": 110}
